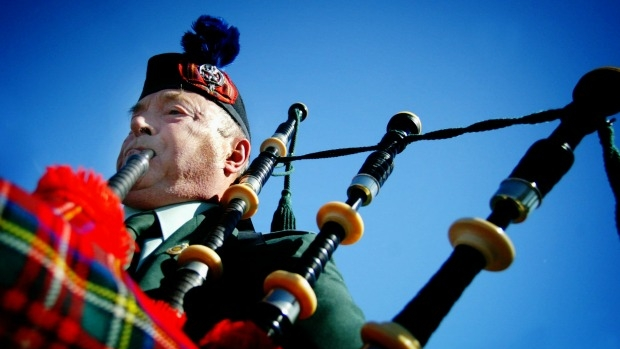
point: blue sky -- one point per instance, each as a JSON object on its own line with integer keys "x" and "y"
{"x": 70, "y": 71}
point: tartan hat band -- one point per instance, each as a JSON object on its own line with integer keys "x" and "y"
{"x": 176, "y": 71}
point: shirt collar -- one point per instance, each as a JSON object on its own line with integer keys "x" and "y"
{"x": 172, "y": 217}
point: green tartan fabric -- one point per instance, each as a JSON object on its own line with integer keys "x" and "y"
{"x": 59, "y": 290}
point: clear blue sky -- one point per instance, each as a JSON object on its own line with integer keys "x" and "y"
{"x": 71, "y": 71}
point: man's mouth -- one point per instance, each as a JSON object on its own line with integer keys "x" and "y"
{"x": 133, "y": 151}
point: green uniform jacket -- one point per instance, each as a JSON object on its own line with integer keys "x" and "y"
{"x": 248, "y": 258}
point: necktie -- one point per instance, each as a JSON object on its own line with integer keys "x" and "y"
{"x": 142, "y": 226}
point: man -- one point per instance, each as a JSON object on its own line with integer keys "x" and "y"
{"x": 191, "y": 114}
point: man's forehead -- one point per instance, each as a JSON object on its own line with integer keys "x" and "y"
{"x": 167, "y": 96}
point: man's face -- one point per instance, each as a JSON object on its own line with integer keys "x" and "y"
{"x": 183, "y": 130}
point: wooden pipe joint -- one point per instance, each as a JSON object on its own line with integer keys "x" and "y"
{"x": 205, "y": 255}
{"x": 344, "y": 215}
{"x": 296, "y": 285}
{"x": 243, "y": 192}
{"x": 276, "y": 143}
{"x": 487, "y": 238}
{"x": 388, "y": 335}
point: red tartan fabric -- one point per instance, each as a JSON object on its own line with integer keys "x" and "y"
{"x": 235, "y": 335}
{"x": 61, "y": 279}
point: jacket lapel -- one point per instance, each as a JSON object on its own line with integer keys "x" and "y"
{"x": 191, "y": 232}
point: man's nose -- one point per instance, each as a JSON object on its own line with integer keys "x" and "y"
{"x": 139, "y": 126}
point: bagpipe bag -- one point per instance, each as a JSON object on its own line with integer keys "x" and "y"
{"x": 63, "y": 283}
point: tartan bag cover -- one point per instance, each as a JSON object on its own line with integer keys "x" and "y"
{"x": 62, "y": 283}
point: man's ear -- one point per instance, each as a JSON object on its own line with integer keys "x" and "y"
{"x": 238, "y": 157}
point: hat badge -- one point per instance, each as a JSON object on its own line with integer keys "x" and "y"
{"x": 212, "y": 76}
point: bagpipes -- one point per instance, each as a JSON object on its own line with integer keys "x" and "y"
{"x": 64, "y": 246}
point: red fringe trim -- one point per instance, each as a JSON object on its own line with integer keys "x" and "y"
{"x": 84, "y": 200}
{"x": 237, "y": 335}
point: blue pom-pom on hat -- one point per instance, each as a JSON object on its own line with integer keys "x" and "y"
{"x": 212, "y": 42}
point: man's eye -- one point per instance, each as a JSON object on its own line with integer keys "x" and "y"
{"x": 174, "y": 112}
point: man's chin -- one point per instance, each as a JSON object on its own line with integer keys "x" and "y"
{"x": 140, "y": 199}
{"x": 151, "y": 198}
